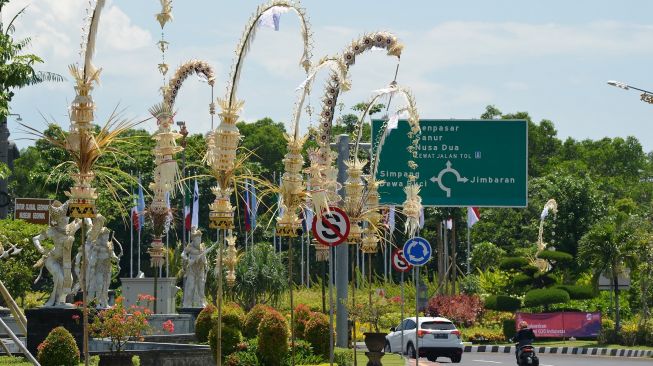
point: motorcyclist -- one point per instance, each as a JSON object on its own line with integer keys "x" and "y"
{"x": 525, "y": 336}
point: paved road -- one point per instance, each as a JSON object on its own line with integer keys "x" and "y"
{"x": 501, "y": 359}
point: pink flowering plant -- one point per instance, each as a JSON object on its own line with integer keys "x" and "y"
{"x": 169, "y": 326}
{"x": 120, "y": 324}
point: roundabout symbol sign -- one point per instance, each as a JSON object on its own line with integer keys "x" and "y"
{"x": 417, "y": 251}
{"x": 399, "y": 263}
{"x": 333, "y": 228}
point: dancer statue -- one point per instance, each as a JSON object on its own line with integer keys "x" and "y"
{"x": 58, "y": 260}
{"x": 100, "y": 256}
{"x": 195, "y": 268}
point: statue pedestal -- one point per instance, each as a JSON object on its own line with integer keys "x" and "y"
{"x": 193, "y": 312}
{"x": 41, "y": 321}
{"x": 165, "y": 297}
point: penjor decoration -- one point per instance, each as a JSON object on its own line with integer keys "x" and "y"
{"x": 223, "y": 142}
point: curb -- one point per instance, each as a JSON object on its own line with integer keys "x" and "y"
{"x": 612, "y": 352}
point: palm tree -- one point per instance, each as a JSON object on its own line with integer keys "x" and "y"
{"x": 17, "y": 68}
{"x": 612, "y": 245}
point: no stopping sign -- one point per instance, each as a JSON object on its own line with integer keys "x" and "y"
{"x": 399, "y": 263}
{"x": 333, "y": 228}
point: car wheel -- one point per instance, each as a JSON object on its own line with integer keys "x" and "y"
{"x": 387, "y": 349}
{"x": 410, "y": 350}
{"x": 456, "y": 359}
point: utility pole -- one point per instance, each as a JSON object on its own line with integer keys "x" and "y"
{"x": 342, "y": 253}
{"x": 184, "y": 132}
{"x": 4, "y": 158}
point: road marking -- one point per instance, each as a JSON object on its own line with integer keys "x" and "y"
{"x": 489, "y": 361}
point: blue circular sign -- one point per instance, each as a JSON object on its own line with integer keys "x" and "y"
{"x": 417, "y": 251}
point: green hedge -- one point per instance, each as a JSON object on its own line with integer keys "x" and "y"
{"x": 554, "y": 255}
{"x": 509, "y": 328}
{"x": 58, "y": 349}
{"x": 522, "y": 280}
{"x": 513, "y": 263}
{"x": 272, "y": 338}
{"x": 502, "y": 303}
{"x": 542, "y": 280}
{"x": 545, "y": 296}
{"x": 530, "y": 270}
{"x": 578, "y": 292}
{"x": 204, "y": 323}
{"x": 253, "y": 318}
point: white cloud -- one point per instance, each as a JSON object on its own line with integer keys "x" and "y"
{"x": 462, "y": 43}
{"x": 119, "y": 34}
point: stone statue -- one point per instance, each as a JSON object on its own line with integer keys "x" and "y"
{"x": 195, "y": 268}
{"x": 58, "y": 260}
{"x": 100, "y": 257}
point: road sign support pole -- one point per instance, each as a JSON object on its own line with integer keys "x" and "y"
{"x": 416, "y": 276}
{"x": 402, "y": 314}
{"x": 342, "y": 254}
{"x": 331, "y": 340}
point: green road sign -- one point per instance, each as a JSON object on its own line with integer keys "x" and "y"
{"x": 461, "y": 162}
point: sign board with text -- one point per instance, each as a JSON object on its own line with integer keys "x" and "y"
{"x": 562, "y": 324}
{"x": 460, "y": 163}
{"x": 33, "y": 210}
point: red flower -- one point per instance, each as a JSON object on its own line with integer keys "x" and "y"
{"x": 169, "y": 326}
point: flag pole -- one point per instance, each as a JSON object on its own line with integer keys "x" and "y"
{"x": 131, "y": 240}
{"x": 469, "y": 249}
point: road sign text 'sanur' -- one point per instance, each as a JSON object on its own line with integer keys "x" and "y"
{"x": 460, "y": 162}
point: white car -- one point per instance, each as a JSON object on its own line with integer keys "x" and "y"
{"x": 436, "y": 337}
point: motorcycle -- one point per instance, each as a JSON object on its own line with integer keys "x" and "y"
{"x": 526, "y": 356}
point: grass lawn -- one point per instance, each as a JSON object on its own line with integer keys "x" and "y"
{"x": 388, "y": 360}
{"x": 13, "y": 361}
{"x": 20, "y": 361}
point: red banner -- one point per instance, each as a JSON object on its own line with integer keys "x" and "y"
{"x": 562, "y": 324}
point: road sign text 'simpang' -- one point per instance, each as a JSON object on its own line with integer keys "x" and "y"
{"x": 460, "y": 162}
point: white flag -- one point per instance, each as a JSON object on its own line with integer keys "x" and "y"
{"x": 270, "y": 18}
{"x": 449, "y": 224}
{"x": 544, "y": 213}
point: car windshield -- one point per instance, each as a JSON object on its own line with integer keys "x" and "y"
{"x": 438, "y": 325}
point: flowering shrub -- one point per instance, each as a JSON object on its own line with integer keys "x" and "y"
{"x": 169, "y": 326}
{"x": 483, "y": 335}
{"x": 371, "y": 313}
{"x": 462, "y": 309}
{"x": 119, "y": 325}
{"x": 204, "y": 323}
{"x": 317, "y": 333}
{"x": 272, "y": 338}
{"x": 232, "y": 315}
{"x": 302, "y": 316}
{"x": 58, "y": 349}
{"x": 253, "y": 318}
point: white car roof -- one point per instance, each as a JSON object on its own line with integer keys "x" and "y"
{"x": 425, "y": 319}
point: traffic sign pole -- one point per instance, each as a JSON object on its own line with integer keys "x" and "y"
{"x": 416, "y": 275}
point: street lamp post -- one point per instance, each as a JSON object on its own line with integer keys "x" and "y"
{"x": 184, "y": 132}
{"x": 646, "y": 96}
{"x": 7, "y": 159}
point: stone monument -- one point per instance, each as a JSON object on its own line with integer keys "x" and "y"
{"x": 58, "y": 262}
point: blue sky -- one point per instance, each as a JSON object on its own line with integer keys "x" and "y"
{"x": 550, "y": 58}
